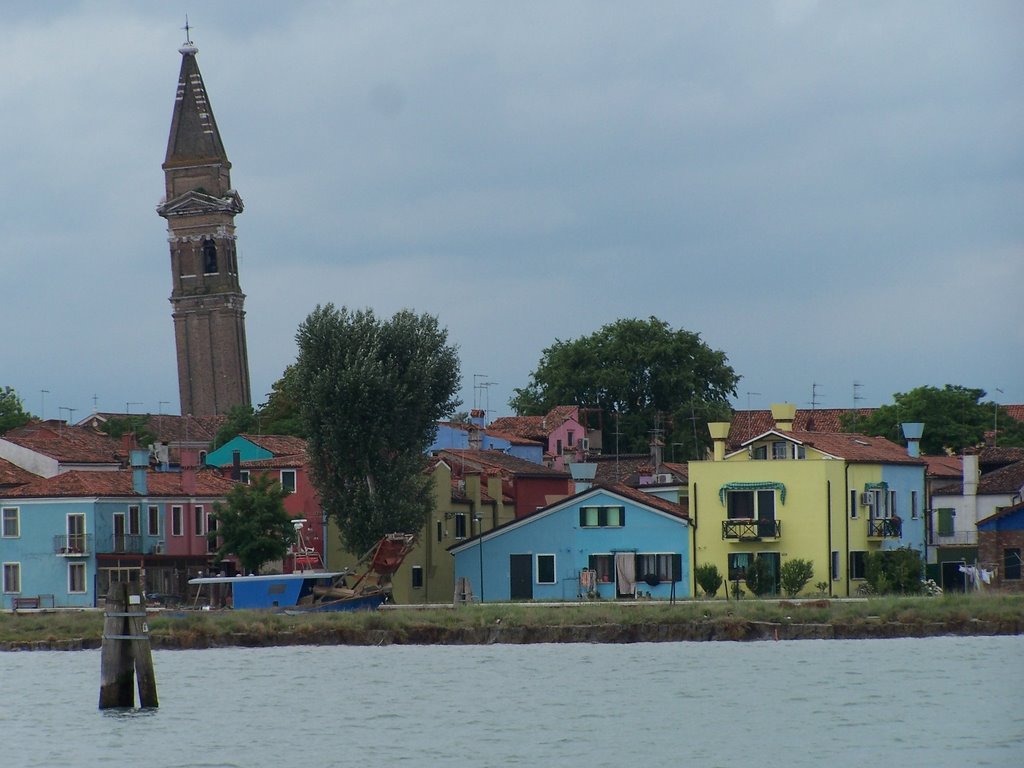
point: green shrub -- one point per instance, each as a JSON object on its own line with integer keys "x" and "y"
{"x": 795, "y": 574}
{"x": 894, "y": 571}
{"x": 759, "y": 577}
{"x": 708, "y": 578}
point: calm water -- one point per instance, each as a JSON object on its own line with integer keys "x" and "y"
{"x": 933, "y": 702}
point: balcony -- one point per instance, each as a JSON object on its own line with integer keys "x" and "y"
{"x": 125, "y": 544}
{"x": 891, "y": 528}
{"x": 74, "y": 545}
{"x": 954, "y": 539}
{"x": 751, "y": 530}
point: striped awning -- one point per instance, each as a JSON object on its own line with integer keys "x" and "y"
{"x": 763, "y": 486}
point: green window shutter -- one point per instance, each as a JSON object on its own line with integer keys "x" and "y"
{"x": 946, "y": 521}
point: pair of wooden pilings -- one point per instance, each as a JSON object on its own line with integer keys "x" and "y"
{"x": 126, "y": 652}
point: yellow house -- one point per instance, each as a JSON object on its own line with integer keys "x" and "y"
{"x": 825, "y": 497}
{"x": 463, "y": 507}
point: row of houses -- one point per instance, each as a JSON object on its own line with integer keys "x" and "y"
{"x": 523, "y": 510}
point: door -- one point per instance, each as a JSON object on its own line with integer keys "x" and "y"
{"x": 766, "y": 514}
{"x": 774, "y": 570}
{"x": 952, "y": 579}
{"x": 520, "y": 570}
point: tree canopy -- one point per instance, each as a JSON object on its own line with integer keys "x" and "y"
{"x": 253, "y": 524}
{"x": 12, "y": 412}
{"x": 370, "y": 393}
{"x": 642, "y": 375}
{"x": 278, "y": 416}
{"x": 954, "y": 417}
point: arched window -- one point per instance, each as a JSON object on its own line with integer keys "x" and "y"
{"x": 209, "y": 257}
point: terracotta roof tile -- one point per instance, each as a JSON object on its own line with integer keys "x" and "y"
{"x": 853, "y": 447}
{"x": 530, "y": 427}
{"x": 749, "y": 424}
{"x": 68, "y": 444}
{"x": 497, "y": 460}
{"x": 294, "y": 461}
{"x": 12, "y": 474}
{"x": 1009, "y": 479}
{"x": 279, "y": 445}
{"x": 119, "y": 484}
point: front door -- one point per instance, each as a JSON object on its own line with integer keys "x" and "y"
{"x": 952, "y": 577}
{"x": 774, "y": 570}
{"x": 520, "y": 570}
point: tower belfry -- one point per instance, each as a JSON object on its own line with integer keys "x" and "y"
{"x": 206, "y": 299}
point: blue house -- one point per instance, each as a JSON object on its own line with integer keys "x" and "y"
{"x": 255, "y": 448}
{"x": 612, "y": 542}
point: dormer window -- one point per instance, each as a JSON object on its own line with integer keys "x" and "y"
{"x": 780, "y": 449}
{"x": 209, "y": 257}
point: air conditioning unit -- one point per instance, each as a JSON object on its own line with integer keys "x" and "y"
{"x": 867, "y": 499}
{"x": 665, "y": 477}
{"x": 158, "y": 548}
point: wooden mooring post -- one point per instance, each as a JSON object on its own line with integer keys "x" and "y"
{"x": 126, "y": 652}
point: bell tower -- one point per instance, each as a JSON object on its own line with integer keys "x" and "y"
{"x": 206, "y": 299}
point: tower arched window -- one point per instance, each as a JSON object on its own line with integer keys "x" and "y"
{"x": 209, "y": 257}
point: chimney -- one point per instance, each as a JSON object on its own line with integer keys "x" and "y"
{"x": 719, "y": 433}
{"x": 970, "y": 490}
{"x": 189, "y": 462}
{"x": 476, "y": 439}
{"x": 912, "y": 431}
{"x": 583, "y": 475}
{"x": 476, "y": 417}
{"x": 784, "y": 413}
{"x": 140, "y": 464}
{"x": 236, "y": 465}
{"x": 657, "y": 446}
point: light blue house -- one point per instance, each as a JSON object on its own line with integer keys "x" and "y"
{"x": 475, "y": 437}
{"x": 612, "y": 542}
{"x": 255, "y": 448}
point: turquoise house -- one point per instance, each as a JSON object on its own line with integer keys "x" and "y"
{"x": 611, "y": 542}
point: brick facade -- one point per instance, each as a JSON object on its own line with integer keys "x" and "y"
{"x": 992, "y": 549}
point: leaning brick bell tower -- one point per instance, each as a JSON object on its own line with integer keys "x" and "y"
{"x": 206, "y": 299}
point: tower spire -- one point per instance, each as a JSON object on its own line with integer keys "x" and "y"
{"x": 200, "y": 207}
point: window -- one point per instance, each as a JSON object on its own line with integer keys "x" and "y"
{"x": 747, "y": 505}
{"x": 603, "y": 566}
{"x": 288, "y": 480}
{"x": 199, "y": 516}
{"x": 209, "y": 257}
{"x": 558, "y": 447}
{"x": 545, "y": 569}
{"x": 659, "y": 568}
{"x": 759, "y": 452}
{"x": 835, "y": 565}
{"x": 854, "y": 506}
{"x": 11, "y": 523}
{"x": 738, "y": 564}
{"x": 417, "y": 577}
{"x": 913, "y": 505}
{"x": 76, "y": 578}
{"x": 892, "y": 504}
{"x": 1011, "y": 564}
{"x": 780, "y": 450}
{"x": 176, "y": 521}
{"x": 570, "y": 438}
{"x": 154, "y": 521}
{"x": 602, "y": 517}
{"x": 134, "y": 521}
{"x": 211, "y": 527}
{"x": 857, "y": 565}
{"x": 460, "y": 525}
{"x": 202, "y": 458}
{"x": 12, "y": 577}
{"x": 243, "y": 476}
{"x": 946, "y": 521}
{"x": 76, "y": 532}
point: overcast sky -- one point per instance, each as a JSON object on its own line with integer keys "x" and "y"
{"x": 828, "y": 192}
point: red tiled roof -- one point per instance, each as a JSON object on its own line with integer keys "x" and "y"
{"x": 498, "y": 460}
{"x": 558, "y": 415}
{"x": 119, "y": 483}
{"x": 279, "y": 445}
{"x": 294, "y": 461}
{"x": 12, "y": 474}
{"x": 1009, "y": 479}
{"x": 749, "y": 424}
{"x": 619, "y": 469}
{"x": 854, "y": 447}
{"x": 68, "y": 444}
{"x": 944, "y": 466}
{"x": 530, "y": 427}
{"x": 678, "y": 510}
{"x": 681, "y": 471}
{"x": 1015, "y": 411}
{"x": 168, "y": 428}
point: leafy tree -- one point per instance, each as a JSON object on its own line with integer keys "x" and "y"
{"x": 641, "y": 375}
{"x": 708, "y": 578}
{"x": 894, "y": 571}
{"x": 759, "y": 578}
{"x": 12, "y": 412}
{"x": 795, "y": 574}
{"x": 954, "y": 418}
{"x": 278, "y": 416}
{"x": 253, "y": 525}
{"x": 241, "y": 419}
{"x": 370, "y": 393}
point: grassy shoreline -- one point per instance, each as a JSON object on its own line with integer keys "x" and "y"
{"x": 976, "y": 614}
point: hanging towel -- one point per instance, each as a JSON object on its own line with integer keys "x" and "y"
{"x": 986, "y": 576}
{"x": 625, "y": 572}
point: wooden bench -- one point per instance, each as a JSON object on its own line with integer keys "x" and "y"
{"x": 23, "y": 603}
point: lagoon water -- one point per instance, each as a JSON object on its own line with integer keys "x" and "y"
{"x": 909, "y": 702}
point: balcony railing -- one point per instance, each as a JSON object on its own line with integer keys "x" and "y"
{"x": 751, "y": 530}
{"x": 73, "y": 545}
{"x": 889, "y": 528}
{"x": 125, "y": 543}
{"x": 957, "y": 538}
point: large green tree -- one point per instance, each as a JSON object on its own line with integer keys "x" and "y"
{"x": 253, "y": 524}
{"x": 642, "y": 375}
{"x": 278, "y": 416}
{"x": 370, "y": 392}
{"x": 954, "y": 417}
{"x": 12, "y": 412}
